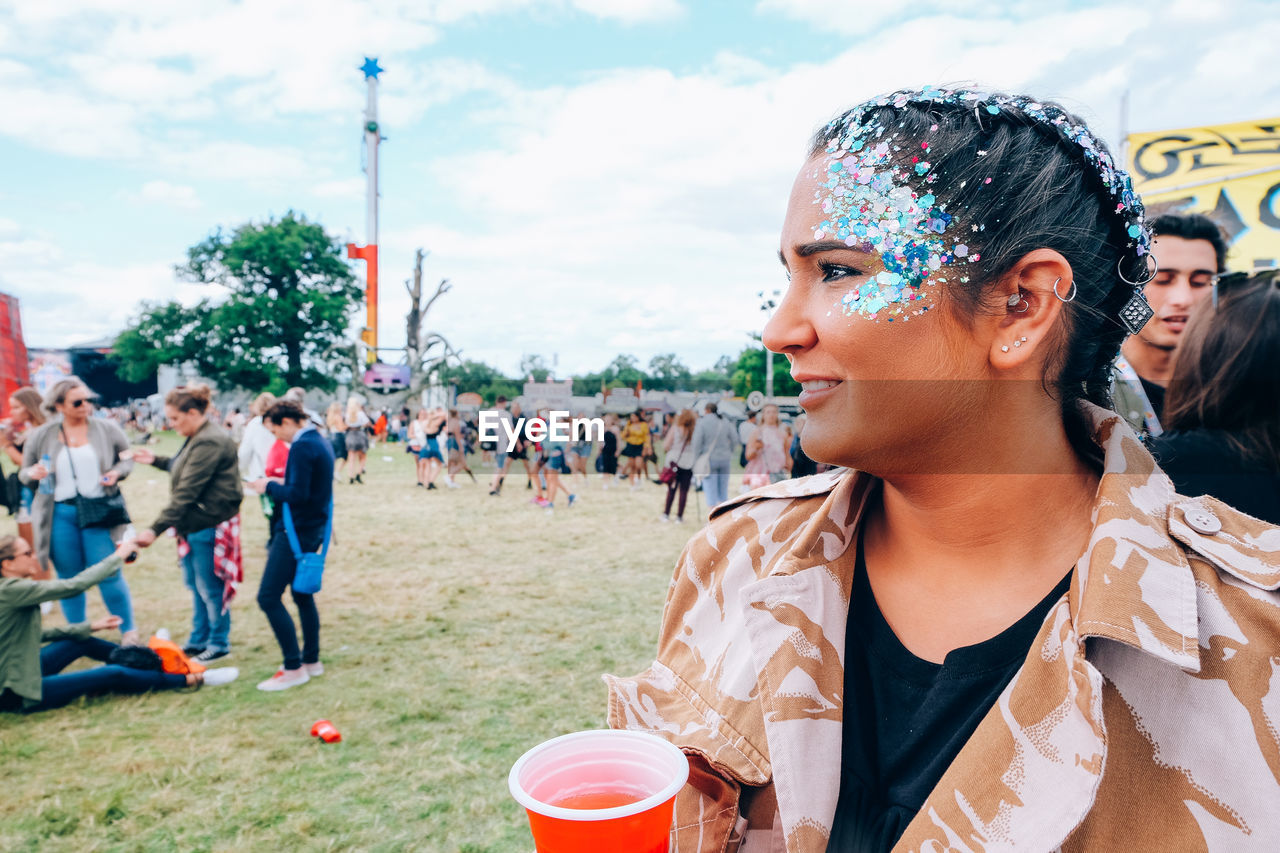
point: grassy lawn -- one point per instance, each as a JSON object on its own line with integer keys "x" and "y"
{"x": 458, "y": 631}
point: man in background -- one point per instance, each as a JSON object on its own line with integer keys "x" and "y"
{"x": 1190, "y": 251}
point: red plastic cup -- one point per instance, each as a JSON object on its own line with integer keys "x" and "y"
{"x": 594, "y": 791}
{"x": 325, "y": 730}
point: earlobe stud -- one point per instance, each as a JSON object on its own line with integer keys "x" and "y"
{"x": 1004, "y": 349}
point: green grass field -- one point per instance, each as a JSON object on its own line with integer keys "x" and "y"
{"x": 458, "y": 631}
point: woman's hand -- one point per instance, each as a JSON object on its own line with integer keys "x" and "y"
{"x": 128, "y": 547}
{"x": 146, "y": 538}
{"x": 141, "y": 454}
{"x": 259, "y": 485}
{"x": 110, "y": 478}
{"x": 105, "y": 624}
{"x": 37, "y": 471}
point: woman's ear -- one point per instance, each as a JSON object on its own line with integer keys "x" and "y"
{"x": 1031, "y": 297}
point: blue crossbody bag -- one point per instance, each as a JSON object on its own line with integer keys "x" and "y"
{"x": 310, "y": 570}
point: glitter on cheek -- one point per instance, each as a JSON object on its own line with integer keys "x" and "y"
{"x": 873, "y": 203}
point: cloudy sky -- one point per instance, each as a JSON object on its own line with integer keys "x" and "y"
{"x": 594, "y": 176}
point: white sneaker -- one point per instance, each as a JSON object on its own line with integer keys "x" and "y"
{"x": 220, "y": 676}
{"x": 284, "y": 679}
{"x": 313, "y": 670}
{"x": 664, "y": 518}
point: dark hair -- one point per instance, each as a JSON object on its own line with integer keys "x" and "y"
{"x": 189, "y": 398}
{"x": 1193, "y": 226}
{"x": 1226, "y": 374}
{"x": 8, "y": 547}
{"x": 283, "y": 410}
{"x": 712, "y": 409}
{"x": 1046, "y": 193}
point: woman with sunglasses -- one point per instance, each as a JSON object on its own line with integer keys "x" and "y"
{"x": 77, "y": 455}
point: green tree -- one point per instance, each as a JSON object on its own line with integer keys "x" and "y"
{"x": 668, "y": 373}
{"x": 480, "y": 378}
{"x": 285, "y": 319}
{"x": 534, "y": 366}
{"x": 748, "y": 373}
{"x": 625, "y": 371}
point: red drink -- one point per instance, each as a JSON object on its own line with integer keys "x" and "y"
{"x": 599, "y": 800}
{"x": 600, "y": 791}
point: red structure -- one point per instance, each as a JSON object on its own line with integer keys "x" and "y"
{"x": 14, "y": 367}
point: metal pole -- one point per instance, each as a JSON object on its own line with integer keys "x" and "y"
{"x": 1124, "y": 129}
{"x": 768, "y": 374}
{"x": 369, "y": 252}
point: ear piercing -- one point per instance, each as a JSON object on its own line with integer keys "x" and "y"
{"x": 1019, "y": 342}
{"x": 1018, "y": 298}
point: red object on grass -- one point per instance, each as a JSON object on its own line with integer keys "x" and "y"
{"x": 324, "y": 730}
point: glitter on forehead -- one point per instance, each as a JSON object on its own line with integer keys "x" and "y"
{"x": 875, "y": 200}
{"x": 876, "y": 197}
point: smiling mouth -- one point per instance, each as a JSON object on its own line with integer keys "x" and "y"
{"x": 819, "y": 384}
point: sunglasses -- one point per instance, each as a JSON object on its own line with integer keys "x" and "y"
{"x": 75, "y": 404}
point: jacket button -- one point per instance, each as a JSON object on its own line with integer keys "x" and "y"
{"x": 1202, "y": 521}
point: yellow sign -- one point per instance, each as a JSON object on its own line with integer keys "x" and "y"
{"x": 1230, "y": 172}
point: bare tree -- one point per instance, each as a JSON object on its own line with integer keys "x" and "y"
{"x": 424, "y": 349}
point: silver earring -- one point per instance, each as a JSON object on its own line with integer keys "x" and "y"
{"x": 1017, "y": 343}
{"x": 1015, "y": 299}
{"x": 1072, "y": 290}
{"x": 1004, "y": 349}
{"x": 1024, "y": 339}
{"x": 1152, "y": 265}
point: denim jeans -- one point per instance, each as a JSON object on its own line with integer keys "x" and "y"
{"x": 73, "y": 549}
{"x": 57, "y": 690}
{"x": 210, "y": 624}
{"x": 716, "y": 485}
{"x": 281, "y": 567}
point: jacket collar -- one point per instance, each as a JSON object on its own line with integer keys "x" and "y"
{"x": 1133, "y": 585}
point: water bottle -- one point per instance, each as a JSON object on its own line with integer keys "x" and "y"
{"x": 130, "y": 533}
{"x": 46, "y": 485}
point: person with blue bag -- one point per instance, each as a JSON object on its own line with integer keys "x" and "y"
{"x": 299, "y": 542}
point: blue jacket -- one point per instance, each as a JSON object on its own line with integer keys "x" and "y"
{"x": 307, "y": 487}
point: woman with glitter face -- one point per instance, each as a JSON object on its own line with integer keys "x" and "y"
{"x": 996, "y": 625}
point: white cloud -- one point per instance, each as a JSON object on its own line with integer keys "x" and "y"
{"x": 169, "y": 195}
{"x": 348, "y": 188}
{"x": 631, "y": 11}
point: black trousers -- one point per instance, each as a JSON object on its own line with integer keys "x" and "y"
{"x": 278, "y": 575}
{"x": 680, "y": 484}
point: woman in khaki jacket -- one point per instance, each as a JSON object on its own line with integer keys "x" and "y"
{"x": 999, "y": 627}
{"x": 204, "y": 511}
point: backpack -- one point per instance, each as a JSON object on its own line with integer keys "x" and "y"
{"x": 172, "y": 658}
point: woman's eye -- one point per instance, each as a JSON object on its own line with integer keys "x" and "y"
{"x": 837, "y": 272}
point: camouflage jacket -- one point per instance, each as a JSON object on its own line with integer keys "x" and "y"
{"x": 1146, "y": 716}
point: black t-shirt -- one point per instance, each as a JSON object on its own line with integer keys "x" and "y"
{"x": 905, "y": 718}
{"x": 1155, "y": 394}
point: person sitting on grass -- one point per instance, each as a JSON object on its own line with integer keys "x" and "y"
{"x": 30, "y": 678}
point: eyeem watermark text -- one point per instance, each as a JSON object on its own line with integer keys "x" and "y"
{"x": 558, "y": 426}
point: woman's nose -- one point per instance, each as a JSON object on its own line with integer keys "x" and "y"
{"x": 789, "y": 330}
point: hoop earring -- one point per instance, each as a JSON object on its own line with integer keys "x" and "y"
{"x": 1016, "y": 299}
{"x": 1138, "y": 284}
{"x": 1073, "y": 290}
